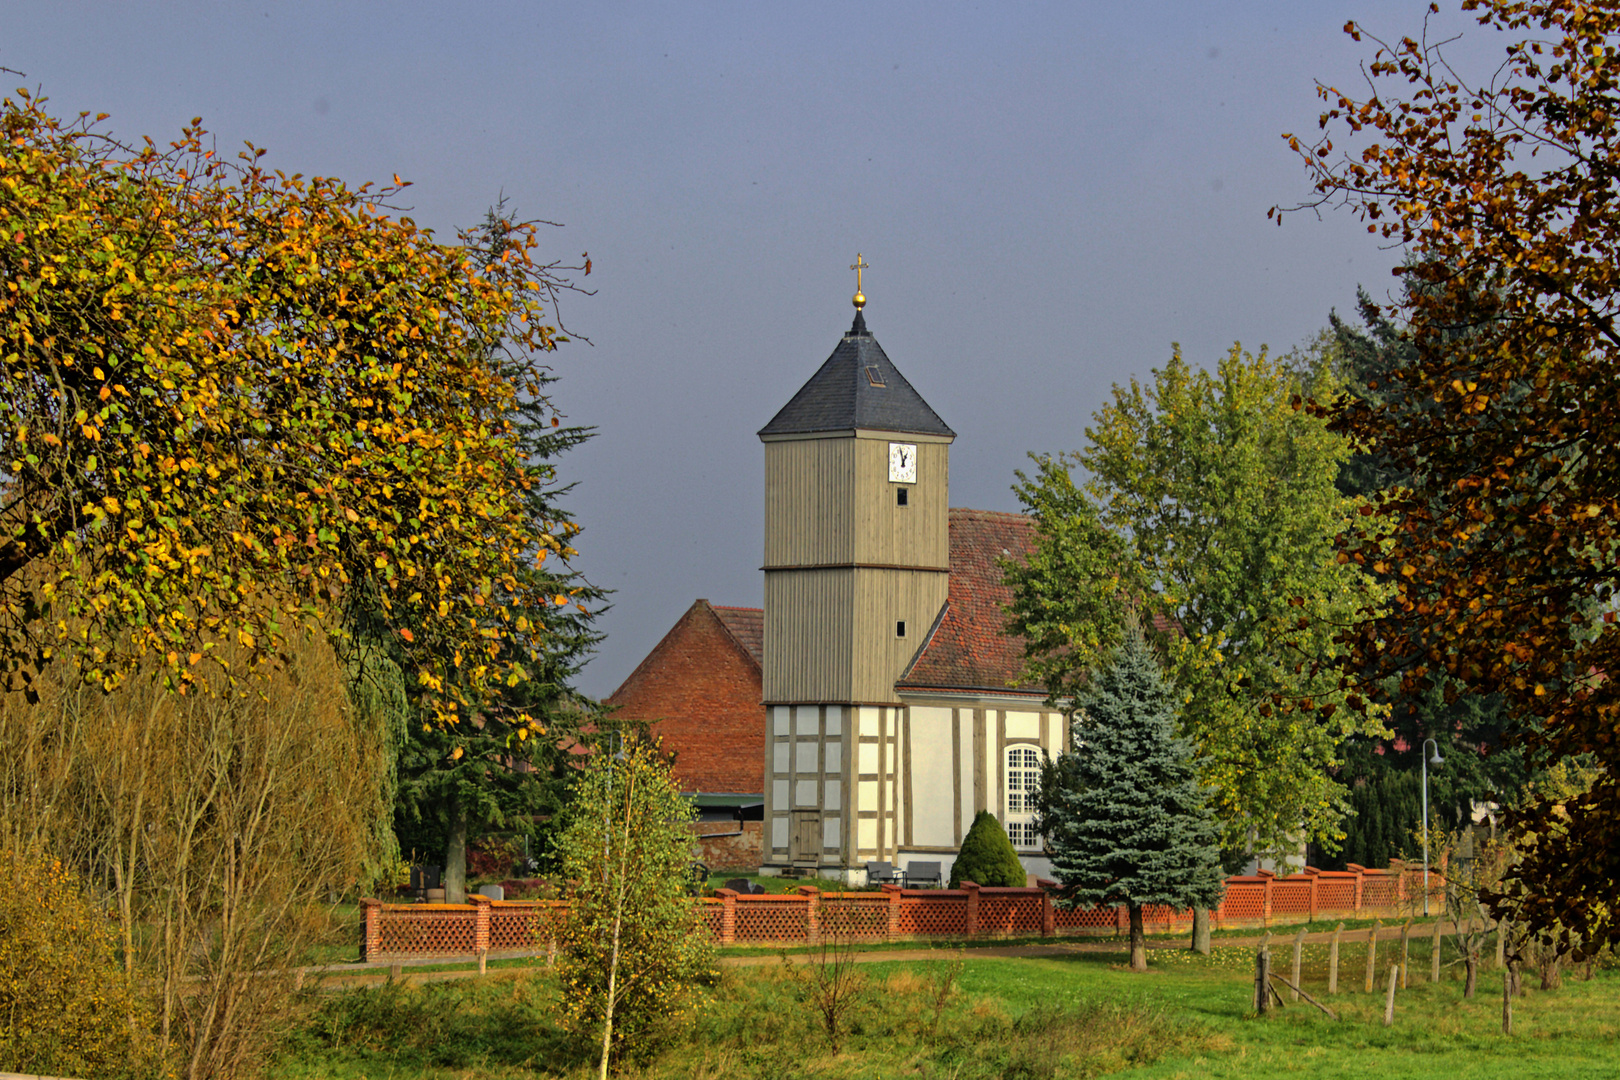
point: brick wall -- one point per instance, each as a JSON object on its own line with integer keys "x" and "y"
{"x": 892, "y": 913}
{"x": 740, "y": 845}
{"x": 701, "y": 688}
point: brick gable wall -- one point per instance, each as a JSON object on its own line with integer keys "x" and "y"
{"x": 702, "y": 692}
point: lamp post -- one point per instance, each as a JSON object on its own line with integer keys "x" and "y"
{"x": 1435, "y": 760}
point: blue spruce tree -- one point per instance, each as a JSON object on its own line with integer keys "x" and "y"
{"x": 1124, "y": 815}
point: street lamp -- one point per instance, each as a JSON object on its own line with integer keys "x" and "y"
{"x": 1435, "y": 760}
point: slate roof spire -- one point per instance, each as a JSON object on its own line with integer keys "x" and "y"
{"x": 857, "y": 388}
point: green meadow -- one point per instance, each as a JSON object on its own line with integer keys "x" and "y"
{"x": 964, "y": 1017}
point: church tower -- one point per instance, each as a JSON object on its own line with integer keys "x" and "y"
{"x": 856, "y": 572}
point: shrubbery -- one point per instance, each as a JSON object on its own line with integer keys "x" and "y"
{"x": 987, "y": 856}
{"x": 66, "y": 1006}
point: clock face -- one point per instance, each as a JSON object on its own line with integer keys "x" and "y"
{"x": 902, "y": 463}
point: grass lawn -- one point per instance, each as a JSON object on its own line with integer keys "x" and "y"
{"x": 1077, "y": 1015}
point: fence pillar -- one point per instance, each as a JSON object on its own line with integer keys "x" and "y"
{"x": 812, "y": 913}
{"x": 728, "y": 915}
{"x": 1265, "y": 909}
{"x": 371, "y": 942}
{"x": 480, "y": 905}
{"x": 1313, "y": 872}
{"x": 1358, "y": 870}
{"x": 972, "y": 890}
{"x": 1048, "y": 912}
{"x": 892, "y": 894}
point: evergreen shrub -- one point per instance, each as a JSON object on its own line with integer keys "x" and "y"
{"x": 987, "y": 856}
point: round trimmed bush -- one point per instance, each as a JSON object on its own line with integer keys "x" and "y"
{"x": 987, "y": 856}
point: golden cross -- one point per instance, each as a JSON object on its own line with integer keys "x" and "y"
{"x": 858, "y": 266}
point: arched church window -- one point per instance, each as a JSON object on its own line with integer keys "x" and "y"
{"x": 1023, "y": 782}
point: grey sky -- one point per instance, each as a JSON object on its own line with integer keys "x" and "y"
{"x": 1048, "y": 196}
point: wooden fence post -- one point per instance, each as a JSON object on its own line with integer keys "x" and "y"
{"x": 1262, "y": 980}
{"x": 1434, "y": 953}
{"x": 728, "y": 915}
{"x": 1372, "y": 954}
{"x": 1266, "y": 916}
{"x": 1299, "y": 948}
{"x": 1333, "y": 960}
{"x": 1406, "y": 934}
{"x": 1048, "y": 915}
{"x": 1389, "y": 996}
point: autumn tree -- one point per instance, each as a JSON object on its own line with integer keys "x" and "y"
{"x": 1210, "y": 507}
{"x": 1502, "y": 543}
{"x": 237, "y": 401}
{"x": 1123, "y": 813}
{"x": 1473, "y": 731}
{"x": 497, "y": 773}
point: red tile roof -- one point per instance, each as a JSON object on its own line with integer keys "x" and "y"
{"x": 747, "y": 625}
{"x": 969, "y": 648}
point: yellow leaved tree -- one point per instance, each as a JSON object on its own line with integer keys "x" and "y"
{"x": 235, "y": 401}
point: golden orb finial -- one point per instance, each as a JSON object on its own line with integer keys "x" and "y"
{"x": 859, "y": 299}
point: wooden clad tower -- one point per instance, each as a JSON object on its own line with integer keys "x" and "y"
{"x": 856, "y": 572}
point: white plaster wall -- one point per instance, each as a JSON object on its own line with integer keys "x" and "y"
{"x": 835, "y": 792}
{"x": 829, "y": 832}
{"x": 866, "y": 834}
{"x": 867, "y": 762}
{"x": 805, "y": 758}
{"x": 868, "y": 719}
{"x": 835, "y": 719}
{"x": 779, "y": 833}
{"x": 780, "y": 752}
{"x": 779, "y": 794}
{"x": 1054, "y": 734}
{"x": 807, "y": 720}
{"x": 834, "y": 754}
{"x": 1023, "y": 725}
{"x": 932, "y": 785}
{"x": 804, "y": 793}
{"x": 779, "y": 718}
{"x": 866, "y": 795}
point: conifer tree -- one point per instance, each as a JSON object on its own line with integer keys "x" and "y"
{"x": 1124, "y": 815}
{"x": 987, "y": 856}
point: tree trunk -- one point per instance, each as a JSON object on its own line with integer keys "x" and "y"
{"x": 1200, "y": 933}
{"x": 1138, "y": 940}
{"x": 1470, "y": 972}
{"x": 455, "y": 856}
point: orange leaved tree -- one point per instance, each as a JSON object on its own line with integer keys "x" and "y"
{"x": 1501, "y": 544}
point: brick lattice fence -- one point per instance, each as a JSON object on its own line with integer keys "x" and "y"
{"x": 483, "y": 925}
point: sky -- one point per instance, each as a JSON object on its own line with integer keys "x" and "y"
{"x": 1049, "y": 195}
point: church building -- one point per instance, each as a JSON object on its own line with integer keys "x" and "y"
{"x": 891, "y": 703}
